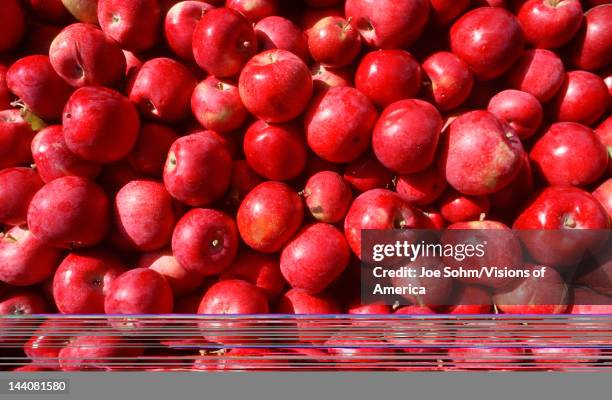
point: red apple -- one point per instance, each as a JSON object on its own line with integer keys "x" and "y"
{"x": 12, "y": 23}
{"x": 339, "y": 124}
{"x": 471, "y": 299}
{"x": 486, "y": 358}
{"x": 548, "y": 294}
{"x": 231, "y": 297}
{"x": 356, "y": 308}
{"x": 588, "y": 302}
{"x": 144, "y": 217}
{"x": 521, "y": 110}
{"x": 324, "y": 78}
{"x": 83, "y": 279}
{"x": 223, "y": 41}
{"x": 83, "y": 10}
{"x": 205, "y": 241}
{"x": 276, "y": 152}
{"x": 275, "y": 86}
{"x": 254, "y": 10}
{"x": 15, "y": 136}
{"x": 180, "y": 280}
{"x": 217, "y": 106}
{"x": 549, "y": 24}
{"x": 388, "y": 24}
{"x": 17, "y": 187}
{"x": 569, "y": 154}
{"x": 307, "y": 18}
{"x": 25, "y": 260}
{"x": 54, "y": 160}
{"x": 44, "y": 345}
{"x": 434, "y": 217}
{"x": 387, "y": 76}
{"x": 551, "y": 357}
{"x": 69, "y": 212}
{"x": 379, "y": 209}
{"x": 34, "y": 81}
{"x": 328, "y": 196}
{"x": 162, "y": 89}
{"x": 148, "y": 155}
{"x": 560, "y": 224}
{"x": 583, "y": 98}
{"x": 517, "y": 191}
{"x": 262, "y": 270}
{"x": 334, "y": 42}
{"x": 15, "y": 304}
{"x": 480, "y": 154}
{"x": 180, "y": 23}
{"x": 100, "y": 125}
{"x": 139, "y": 291}
{"x": 604, "y": 132}
{"x": 603, "y": 193}
{"x": 592, "y": 48}
{"x": 502, "y": 249}
{"x": 315, "y": 257}
{"x": 198, "y": 169}
{"x": 269, "y": 216}
{"x": 276, "y": 32}
{"x": 450, "y": 80}
{"x": 445, "y": 11}
{"x": 457, "y": 207}
{"x": 488, "y": 39}
{"x": 134, "y": 24}
{"x": 83, "y": 56}
{"x": 421, "y": 188}
{"x": 539, "y": 72}
{"x": 96, "y": 352}
{"x": 6, "y": 98}
{"x": 366, "y": 351}
{"x": 406, "y": 136}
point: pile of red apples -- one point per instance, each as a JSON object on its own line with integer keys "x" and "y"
{"x": 223, "y": 157}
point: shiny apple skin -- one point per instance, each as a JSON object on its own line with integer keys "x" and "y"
{"x": 366, "y": 173}
{"x": 17, "y": 187}
{"x": 406, "y": 136}
{"x": 521, "y": 110}
{"x": 134, "y": 24}
{"x": 328, "y": 196}
{"x": 604, "y": 132}
{"x": 550, "y": 24}
{"x": 275, "y": 86}
{"x": 603, "y": 193}
{"x": 162, "y": 89}
{"x": 83, "y": 56}
{"x": 25, "y": 260}
{"x": 15, "y": 137}
{"x": 339, "y": 124}
{"x": 388, "y": 24}
{"x": 555, "y": 210}
{"x": 379, "y": 209}
{"x": 180, "y": 23}
{"x": 315, "y": 257}
{"x": 82, "y": 280}
{"x": 139, "y": 291}
{"x": 69, "y": 212}
{"x": 334, "y": 42}
{"x": 450, "y": 80}
{"x": 35, "y": 82}
{"x": 180, "y": 280}
{"x": 254, "y": 10}
{"x": 276, "y": 152}
{"x": 269, "y": 216}
{"x": 569, "y": 154}
{"x": 217, "y": 106}
{"x": 480, "y": 154}
{"x": 488, "y": 39}
{"x": 387, "y": 76}
{"x": 205, "y": 241}
{"x": 223, "y": 41}
{"x": 591, "y": 49}
{"x": 421, "y": 188}
{"x": 456, "y": 207}
{"x": 539, "y": 72}
{"x": 198, "y": 169}
{"x": 54, "y": 160}
{"x": 100, "y": 124}
{"x": 262, "y": 270}
{"x": 583, "y": 98}
{"x": 276, "y": 32}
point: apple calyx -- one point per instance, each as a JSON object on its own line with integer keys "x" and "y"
{"x": 35, "y": 122}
